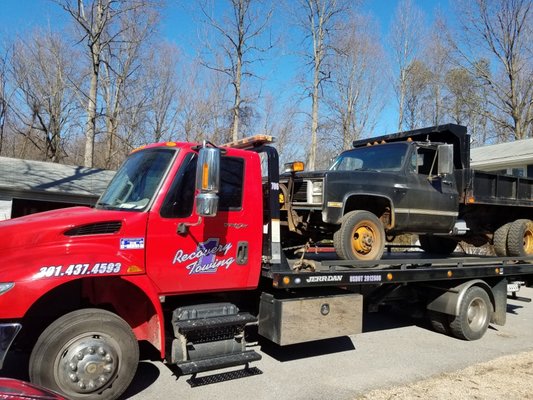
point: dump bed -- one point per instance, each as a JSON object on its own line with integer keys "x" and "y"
{"x": 494, "y": 189}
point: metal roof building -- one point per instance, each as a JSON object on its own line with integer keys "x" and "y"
{"x": 28, "y": 186}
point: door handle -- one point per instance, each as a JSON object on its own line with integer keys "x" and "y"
{"x": 242, "y": 253}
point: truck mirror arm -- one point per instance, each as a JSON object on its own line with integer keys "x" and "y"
{"x": 183, "y": 227}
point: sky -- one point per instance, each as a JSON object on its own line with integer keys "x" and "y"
{"x": 177, "y": 25}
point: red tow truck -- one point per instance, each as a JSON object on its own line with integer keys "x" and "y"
{"x": 184, "y": 251}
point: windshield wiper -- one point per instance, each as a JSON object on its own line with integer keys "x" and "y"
{"x": 105, "y": 206}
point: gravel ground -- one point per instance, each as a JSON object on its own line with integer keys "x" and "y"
{"x": 509, "y": 377}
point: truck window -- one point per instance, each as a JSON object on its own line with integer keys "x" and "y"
{"x": 381, "y": 157}
{"x": 180, "y": 198}
{"x": 136, "y": 182}
{"x": 426, "y": 161}
{"x": 231, "y": 183}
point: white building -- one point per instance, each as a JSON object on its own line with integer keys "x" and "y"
{"x": 513, "y": 158}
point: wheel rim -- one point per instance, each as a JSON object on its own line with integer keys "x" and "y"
{"x": 528, "y": 240}
{"x": 87, "y": 364}
{"x": 363, "y": 239}
{"x": 477, "y": 314}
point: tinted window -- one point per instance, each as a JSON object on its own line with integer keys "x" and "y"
{"x": 231, "y": 183}
{"x": 180, "y": 199}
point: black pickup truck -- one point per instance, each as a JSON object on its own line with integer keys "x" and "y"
{"x": 416, "y": 181}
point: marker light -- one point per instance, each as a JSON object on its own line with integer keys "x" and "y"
{"x": 205, "y": 176}
{"x": 133, "y": 269}
{"x": 296, "y": 166}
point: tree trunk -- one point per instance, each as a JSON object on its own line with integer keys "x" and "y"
{"x": 314, "y": 121}
{"x": 237, "y": 100}
{"x": 90, "y": 131}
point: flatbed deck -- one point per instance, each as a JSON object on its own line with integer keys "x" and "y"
{"x": 323, "y": 270}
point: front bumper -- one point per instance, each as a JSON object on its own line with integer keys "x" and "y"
{"x": 8, "y": 332}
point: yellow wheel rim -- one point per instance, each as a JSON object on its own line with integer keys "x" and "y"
{"x": 363, "y": 239}
{"x": 528, "y": 240}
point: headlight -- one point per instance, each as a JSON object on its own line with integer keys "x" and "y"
{"x": 6, "y": 286}
{"x": 316, "y": 192}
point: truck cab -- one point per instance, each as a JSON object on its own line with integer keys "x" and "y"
{"x": 155, "y": 233}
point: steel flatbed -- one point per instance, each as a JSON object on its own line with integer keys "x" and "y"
{"x": 415, "y": 268}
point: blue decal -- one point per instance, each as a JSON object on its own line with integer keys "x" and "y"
{"x": 130, "y": 244}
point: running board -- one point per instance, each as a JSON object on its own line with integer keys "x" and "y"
{"x": 231, "y": 360}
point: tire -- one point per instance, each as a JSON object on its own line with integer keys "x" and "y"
{"x": 520, "y": 238}
{"x": 88, "y": 353}
{"x": 437, "y": 244}
{"x": 500, "y": 240}
{"x": 361, "y": 237}
{"x": 474, "y": 316}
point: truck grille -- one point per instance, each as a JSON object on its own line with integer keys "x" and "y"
{"x": 300, "y": 192}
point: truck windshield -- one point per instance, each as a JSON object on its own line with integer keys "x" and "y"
{"x": 381, "y": 157}
{"x": 136, "y": 182}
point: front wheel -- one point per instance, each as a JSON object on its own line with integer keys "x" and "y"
{"x": 86, "y": 354}
{"x": 360, "y": 237}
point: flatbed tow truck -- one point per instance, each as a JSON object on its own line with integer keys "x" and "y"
{"x": 184, "y": 251}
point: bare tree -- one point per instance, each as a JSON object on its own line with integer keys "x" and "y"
{"x": 318, "y": 20}
{"x": 43, "y": 68}
{"x": 405, "y": 38}
{"x": 123, "y": 67}
{"x": 4, "y": 97}
{"x": 418, "y": 78}
{"x": 437, "y": 60}
{"x": 463, "y": 102}
{"x": 280, "y": 120}
{"x": 240, "y": 36}
{"x": 97, "y": 22}
{"x": 357, "y": 69}
{"x": 163, "y": 84}
{"x": 502, "y": 32}
{"x": 200, "y": 110}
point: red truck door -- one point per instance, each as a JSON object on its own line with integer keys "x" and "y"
{"x": 187, "y": 254}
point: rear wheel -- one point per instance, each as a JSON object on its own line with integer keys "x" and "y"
{"x": 520, "y": 238}
{"x": 86, "y": 354}
{"x": 360, "y": 237}
{"x": 500, "y": 240}
{"x": 475, "y": 312}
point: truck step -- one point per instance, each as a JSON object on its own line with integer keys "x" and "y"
{"x": 191, "y": 325}
{"x": 231, "y": 360}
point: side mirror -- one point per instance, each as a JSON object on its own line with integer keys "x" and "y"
{"x": 445, "y": 153}
{"x": 208, "y": 181}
